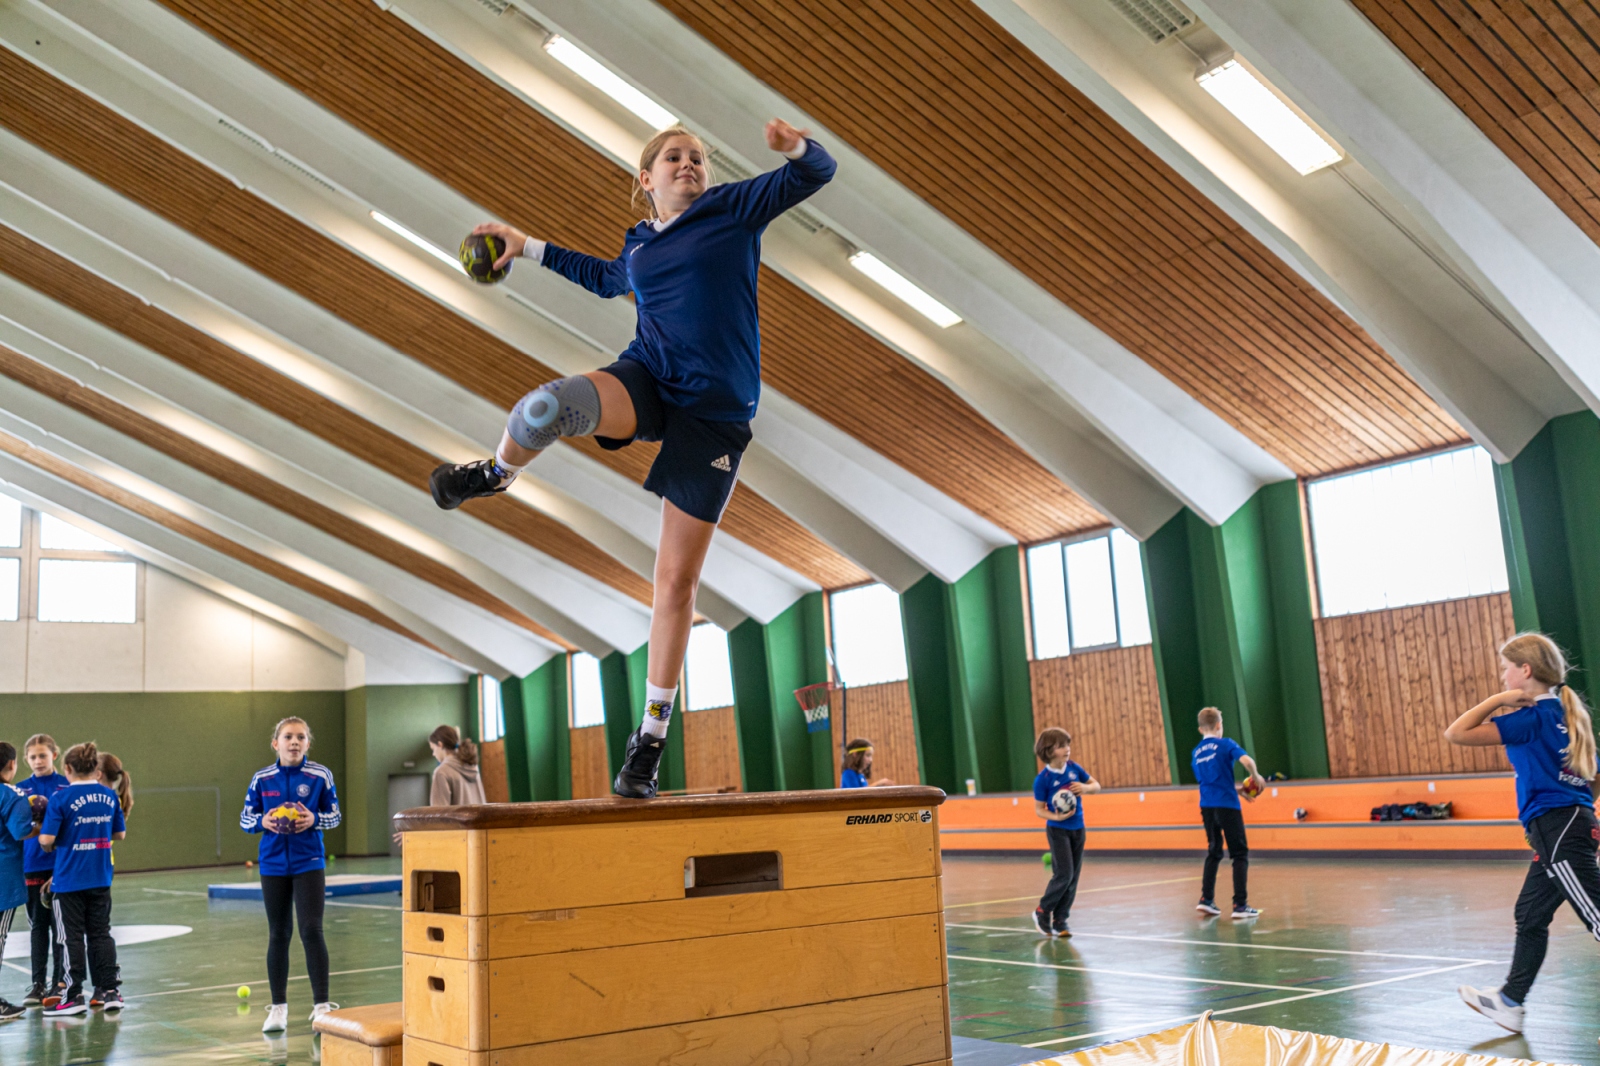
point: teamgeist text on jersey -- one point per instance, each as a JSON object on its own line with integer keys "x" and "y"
{"x": 311, "y": 784}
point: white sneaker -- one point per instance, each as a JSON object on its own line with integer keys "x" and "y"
{"x": 1488, "y": 1003}
{"x": 277, "y": 1018}
{"x": 322, "y": 1008}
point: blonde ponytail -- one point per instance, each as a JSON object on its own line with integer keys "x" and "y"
{"x": 1580, "y": 735}
{"x": 1548, "y": 666}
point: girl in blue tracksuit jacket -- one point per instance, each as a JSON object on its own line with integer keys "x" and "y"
{"x": 292, "y": 861}
{"x": 690, "y": 379}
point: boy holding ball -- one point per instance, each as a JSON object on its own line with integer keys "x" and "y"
{"x": 1057, "y": 792}
{"x": 1213, "y": 761}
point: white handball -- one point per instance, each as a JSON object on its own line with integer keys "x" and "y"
{"x": 1064, "y": 802}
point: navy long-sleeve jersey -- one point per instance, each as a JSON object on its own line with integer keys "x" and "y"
{"x": 694, "y": 284}
{"x": 310, "y": 784}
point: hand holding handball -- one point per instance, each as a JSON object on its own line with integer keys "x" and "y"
{"x": 284, "y": 818}
{"x": 1253, "y": 786}
{"x": 1064, "y": 802}
{"x": 479, "y": 253}
{"x": 36, "y": 807}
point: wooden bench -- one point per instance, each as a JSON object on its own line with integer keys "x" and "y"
{"x": 363, "y": 1036}
{"x": 713, "y": 930}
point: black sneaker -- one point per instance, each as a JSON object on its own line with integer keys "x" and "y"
{"x": 55, "y": 995}
{"x": 111, "y": 1000}
{"x": 1041, "y": 922}
{"x": 1205, "y": 906}
{"x": 66, "y": 1008}
{"x": 34, "y": 996}
{"x": 453, "y": 486}
{"x": 10, "y": 1011}
{"x": 641, "y": 761}
{"x": 97, "y": 998}
{"x": 1063, "y": 931}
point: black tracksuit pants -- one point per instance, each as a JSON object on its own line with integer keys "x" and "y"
{"x": 1564, "y": 870}
{"x": 1226, "y": 824}
{"x": 1066, "y": 862}
{"x": 41, "y": 937}
{"x": 81, "y": 917}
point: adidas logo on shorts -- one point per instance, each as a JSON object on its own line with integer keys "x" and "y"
{"x": 721, "y": 464}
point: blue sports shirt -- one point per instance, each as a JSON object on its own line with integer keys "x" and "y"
{"x": 35, "y": 860}
{"x": 849, "y": 778}
{"x": 694, "y": 286}
{"x": 311, "y": 784}
{"x": 1049, "y": 782}
{"x": 16, "y": 822}
{"x": 1536, "y": 743}
{"x": 1213, "y": 761}
{"x": 82, "y": 818}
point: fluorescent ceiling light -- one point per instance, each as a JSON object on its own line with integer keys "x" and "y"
{"x": 884, "y": 275}
{"x": 417, "y": 239}
{"x": 592, "y": 71}
{"x": 1236, "y": 88}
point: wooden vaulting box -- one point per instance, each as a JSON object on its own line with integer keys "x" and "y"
{"x": 797, "y": 927}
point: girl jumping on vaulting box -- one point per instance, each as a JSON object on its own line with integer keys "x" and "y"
{"x": 690, "y": 379}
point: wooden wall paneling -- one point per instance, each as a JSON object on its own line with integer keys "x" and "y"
{"x": 882, "y": 714}
{"x": 152, "y": 173}
{"x": 591, "y": 773}
{"x": 711, "y": 750}
{"x": 65, "y": 282}
{"x": 405, "y": 91}
{"x": 1077, "y": 204}
{"x": 1392, "y": 680}
{"x": 1111, "y": 704}
{"x": 128, "y": 501}
{"x": 492, "y": 765}
{"x": 147, "y": 431}
{"x": 1526, "y": 72}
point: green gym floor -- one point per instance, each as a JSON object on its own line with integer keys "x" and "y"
{"x": 1369, "y": 950}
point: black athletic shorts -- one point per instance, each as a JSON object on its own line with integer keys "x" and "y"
{"x": 699, "y": 459}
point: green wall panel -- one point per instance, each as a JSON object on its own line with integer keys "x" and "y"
{"x": 795, "y": 645}
{"x": 752, "y": 700}
{"x": 546, "y": 743}
{"x": 622, "y": 688}
{"x": 388, "y": 726}
{"x": 944, "y": 742}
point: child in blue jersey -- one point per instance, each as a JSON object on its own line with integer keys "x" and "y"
{"x": 37, "y": 864}
{"x": 1213, "y": 760}
{"x": 690, "y": 379}
{"x": 1057, "y": 798}
{"x": 293, "y": 884}
{"x": 79, "y": 825}
{"x": 855, "y": 770}
{"x": 16, "y": 826}
{"x": 1549, "y": 739}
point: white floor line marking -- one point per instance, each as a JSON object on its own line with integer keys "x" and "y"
{"x": 1224, "y": 944}
{"x": 172, "y": 892}
{"x": 1081, "y": 892}
{"x": 1125, "y": 973}
{"x": 257, "y": 981}
{"x": 1153, "y": 1027}
{"x": 19, "y": 968}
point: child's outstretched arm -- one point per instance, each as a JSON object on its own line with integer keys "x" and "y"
{"x": 1474, "y": 730}
{"x": 603, "y": 277}
{"x": 764, "y": 197}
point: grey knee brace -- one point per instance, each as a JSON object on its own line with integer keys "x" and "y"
{"x": 566, "y": 407}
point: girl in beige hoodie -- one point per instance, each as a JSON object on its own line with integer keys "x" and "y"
{"x": 456, "y": 781}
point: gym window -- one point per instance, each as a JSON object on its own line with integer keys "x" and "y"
{"x": 869, "y": 644}
{"x": 1087, "y": 595}
{"x": 707, "y": 670}
{"x": 491, "y": 712}
{"x": 588, "y": 706}
{"x": 63, "y": 572}
{"x": 1412, "y": 532}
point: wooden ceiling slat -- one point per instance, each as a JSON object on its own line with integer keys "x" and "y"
{"x": 64, "y": 390}
{"x": 58, "y": 278}
{"x": 1078, "y": 204}
{"x": 129, "y": 501}
{"x": 578, "y": 198}
{"x": 83, "y": 133}
{"x": 1525, "y": 72}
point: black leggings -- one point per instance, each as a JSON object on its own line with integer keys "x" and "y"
{"x": 1564, "y": 870}
{"x": 303, "y": 893}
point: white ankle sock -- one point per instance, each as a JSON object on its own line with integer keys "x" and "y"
{"x": 657, "y": 709}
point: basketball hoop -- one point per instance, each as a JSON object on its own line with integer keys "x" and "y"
{"x": 816, "y": 702}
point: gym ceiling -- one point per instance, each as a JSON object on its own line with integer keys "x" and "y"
{"x": 214, "y": 348}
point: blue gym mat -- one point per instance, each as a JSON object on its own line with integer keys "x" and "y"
{"x": 338, "y": 885}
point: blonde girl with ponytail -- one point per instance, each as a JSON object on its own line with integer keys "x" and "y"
{"x": 1548, "y": 735}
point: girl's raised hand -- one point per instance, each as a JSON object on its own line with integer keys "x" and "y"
{"x": 515, "y": 240}
{"x": 782, "y": 137}
{"x": 1511, "y": 699}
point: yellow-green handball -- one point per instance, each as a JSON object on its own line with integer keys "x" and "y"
{"x": 244, "y": 991}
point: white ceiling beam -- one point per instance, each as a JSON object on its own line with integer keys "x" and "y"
{"x": 1535, "y": 266}
{"x": 1334, "y": 226}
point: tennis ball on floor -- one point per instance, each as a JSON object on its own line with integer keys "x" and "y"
{"x": 249, "y": 863}
{"x": 1047, "y": 859}
{"x": 244, "y": 991}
